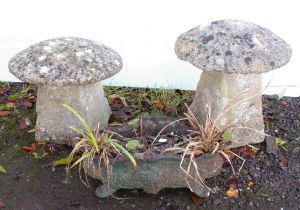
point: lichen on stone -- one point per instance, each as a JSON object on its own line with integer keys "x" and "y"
{"x": 65, "y": 61}
{"x": 233, "y": 46}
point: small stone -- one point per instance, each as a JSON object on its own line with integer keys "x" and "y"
{"x": 217, "y": 201}
{"x": 162, "y": 140}
{"x": 271, "y": 145}
{"x": 296, "y": 150}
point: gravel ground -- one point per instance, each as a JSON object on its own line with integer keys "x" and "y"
{"x": 32, "y": 184}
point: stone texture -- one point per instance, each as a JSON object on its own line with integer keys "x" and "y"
{"x": 53, "y": 120}
{"x": 233, "y": 46}
{"x": 154, "y": 172}
{"x": 240, "y": 94}
{"x": 233, "y": 54}
{"x": 65, "y": 61}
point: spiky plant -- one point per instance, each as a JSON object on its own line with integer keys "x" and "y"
{"x": 94, "y": 145}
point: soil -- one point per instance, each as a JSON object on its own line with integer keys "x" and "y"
{"x": 32, "y": 183}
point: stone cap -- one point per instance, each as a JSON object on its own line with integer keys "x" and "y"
{"x": 233, "y": 46}
{"x": 65, "y": 61}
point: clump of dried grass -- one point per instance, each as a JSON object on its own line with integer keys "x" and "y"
{"x": 208, "y": 139}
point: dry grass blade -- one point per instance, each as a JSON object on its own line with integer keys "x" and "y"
{"x": 208, "y": 139}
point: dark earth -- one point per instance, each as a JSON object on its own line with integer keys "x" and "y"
{"x": 267, "y": 180}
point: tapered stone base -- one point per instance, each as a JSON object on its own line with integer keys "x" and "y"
{"x": 53, "y": 120}
{"x": 237, "y": 98}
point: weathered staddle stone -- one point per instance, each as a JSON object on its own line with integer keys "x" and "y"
{"x": 232, "y": 54}
{"x": 67, "y": 70}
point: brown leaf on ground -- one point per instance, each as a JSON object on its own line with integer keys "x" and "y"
{"x": 248, "y": 151}
{"x": 2, "y": 99}
{"x": 31, "y": 148}
{"x": 283, "y": 160}
{"x": 250, "y": 184}
{"x": 3, "y": 90}
{"x": 180, "y": 92}
{"x": 232, "y": 192}
{"x": 50, "y": 149}
{"x": 196, "y": 199}
{"x": 115, "y": 99}
{"x": 31, "y": 97}
{"x": 4, "y": 113}
{"x": 27, "y": 104}
{"x": 271, "y": 145}
{"x": 168, "y": 109}
{"x": 230, "y": 156}
{"x": 23, "y": 124}
{"x": 2, "y": 206}
{"x": 233, "y": 182}
{"x": 159, "y": 104}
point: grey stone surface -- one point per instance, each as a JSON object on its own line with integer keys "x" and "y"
{"x": 65, "y": 61}
{"x": 233, "y": 54}
{"x": 154, "y": 172}
{"x": 233, "y": 46}
{"x": 236, "y": 98}
{"x": 53, "y": 120}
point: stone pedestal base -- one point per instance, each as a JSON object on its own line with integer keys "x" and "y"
{"x": 53, "y": 120}
{"x": 240, "y": 95}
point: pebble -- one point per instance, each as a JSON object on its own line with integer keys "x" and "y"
{"x": 217, "y": 201}
{"x": 296, "y": 150}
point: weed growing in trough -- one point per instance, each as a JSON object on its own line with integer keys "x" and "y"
{"x": 94, "y": 145}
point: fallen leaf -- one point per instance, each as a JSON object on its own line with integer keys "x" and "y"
{"x": 271, "y": 145}
{"x": 4, "y": 113}
{"x": 233, "y": 182}
{"x": 250, "y": 184}
{"x": 2, "y": 170}
{"x": 31, "y": 148}
{"x": 23, "y": 124}
{"x": 232, "y": 192}
{"x": 27, "y": 104}
{"x": 159, "y": 104}
{"x": 196, "y": 199}
{"x": 50, "y": 149}
{"x": 180, "y": 92}
{"x": 2, "y": 206}
{"x": 230, "y": 156}
{"x": 3, "y": 90}
{"x": 31, "y": 97}
{"x": 10, "y": 104}
{"x": 248, "y": 151}
{"x": 115, "y": 99}
{"x": 283, "y": 160}
{"x": 169, "y": 109}
{"x": 2, "y": 99}
{"x": 128, "y": 110}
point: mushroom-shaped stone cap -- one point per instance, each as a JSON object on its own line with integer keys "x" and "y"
{"x": 65, "y": 61}
{"x": 233, "y": 46}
